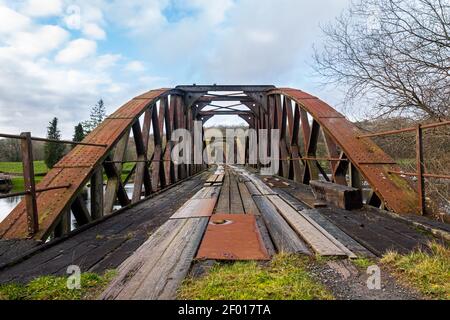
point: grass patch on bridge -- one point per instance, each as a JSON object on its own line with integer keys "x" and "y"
{"x": 427, "y": 272}
{"x": 284, "y": 278}
{"x": 55, "y": 288}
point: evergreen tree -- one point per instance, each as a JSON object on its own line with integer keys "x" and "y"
{"x": 98, "y": 114}
{"x": 79, "y": 133}
{"x": 53, "y": 151}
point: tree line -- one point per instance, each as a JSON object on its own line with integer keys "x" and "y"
{"x": 51, "y": 153}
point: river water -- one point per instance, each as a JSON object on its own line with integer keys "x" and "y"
{"x": 6, "y": 205}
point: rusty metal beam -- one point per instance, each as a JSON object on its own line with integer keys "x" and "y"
{"x": 227, "y": 88}
{"x": 225, "y": 113}
{"x": 396, "y": 193}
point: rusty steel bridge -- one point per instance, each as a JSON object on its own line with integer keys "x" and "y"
{"x": 150, "y": 119}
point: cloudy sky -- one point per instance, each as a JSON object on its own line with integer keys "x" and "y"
{"x": 58, "y": 57}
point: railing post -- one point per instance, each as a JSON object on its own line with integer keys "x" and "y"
{"x": 420, "y": 169}
{"x": 30, "y": 186}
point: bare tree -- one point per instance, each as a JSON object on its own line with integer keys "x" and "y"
{"x": 393, "y": 54}
{"x": 10, "y": 150}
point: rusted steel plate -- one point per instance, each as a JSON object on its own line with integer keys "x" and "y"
{"x": 232, "y": 237}
{"x": 371, "y": 160}
{"x": 196, "y": 208}
{"x": 75, "y": 168}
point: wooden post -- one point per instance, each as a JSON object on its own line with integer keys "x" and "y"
{"x": 355, "y": 178}
{"x": 97, "y": 194}
{"x": 112, "y": 186}
{"x": 30, "y": 186}
{"x": 420, "y": 169}
{"x": 64, "y": 225}
{"x": 142, "y": 176}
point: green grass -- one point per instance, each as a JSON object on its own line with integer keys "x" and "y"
{"x": 285, "y": 278}
{"x": 429, "y": 273}
{"x": 16, "y": 167}
{"x": 40, "y": 169}
{"x": 127, "y": 167}
{"x": 55, "y": 288}
{"x": 19, "y": 185}
{"x": 363, "y": 263}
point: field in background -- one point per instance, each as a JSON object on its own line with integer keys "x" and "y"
{"x": 40, "y": 170}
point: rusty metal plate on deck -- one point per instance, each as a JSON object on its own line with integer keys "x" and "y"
{"x": 232, "y": 237}
{"x": 370, "y": 159}
{"x": 196, "y": 208}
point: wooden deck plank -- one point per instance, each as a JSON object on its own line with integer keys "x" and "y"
{"x": 376, "y": 239}
{"x": 90, "y": 247}
{"x": 236, "y": 205}
{"x": 314, "y": 237}
{"x": 252, "y": 188}
{"x": 157, "y": 268}
{"x": 265, "y": 236}
{"x": 261, "y": 186}
{"x": 284, "y": 238}
{"x": 223, "y": 204}
{"x": 212, "y": 178}
{"x": 337, "y": 233}
{"x": 207, "y": 193}
{"x": 196, "y": 208}
{"x": 294, "y": 202}
{"x": 330, "y": 237}
{"x": 247, "y": 200}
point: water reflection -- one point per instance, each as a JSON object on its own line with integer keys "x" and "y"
{"x": 6, "y": 205}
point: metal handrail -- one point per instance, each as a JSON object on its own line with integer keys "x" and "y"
{"x": 419, "y": 158}
{"x": 14, "y": 136}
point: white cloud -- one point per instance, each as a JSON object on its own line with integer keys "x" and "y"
{"x": 213, "y": 11}
{"x": 76, "y": 51}
{"x": 93, "y": 31}
{"x": 11, "y": 21}
{"x": 138, "y": 16}
{"x": 42, "y": 8}
{"x": 40, "y": 41}
{"x": 107, "y": 61}
{"x": 135, "y": 66}
{"x": 221, "y": 41}
{"x": 34, "y": 86}
{"x": 260, "y": 36}
{"x": 273, "y": 45}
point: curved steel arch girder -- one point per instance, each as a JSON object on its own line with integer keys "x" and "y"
{"x": 76, "y": 168}
{"x": 371, "y": 161}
